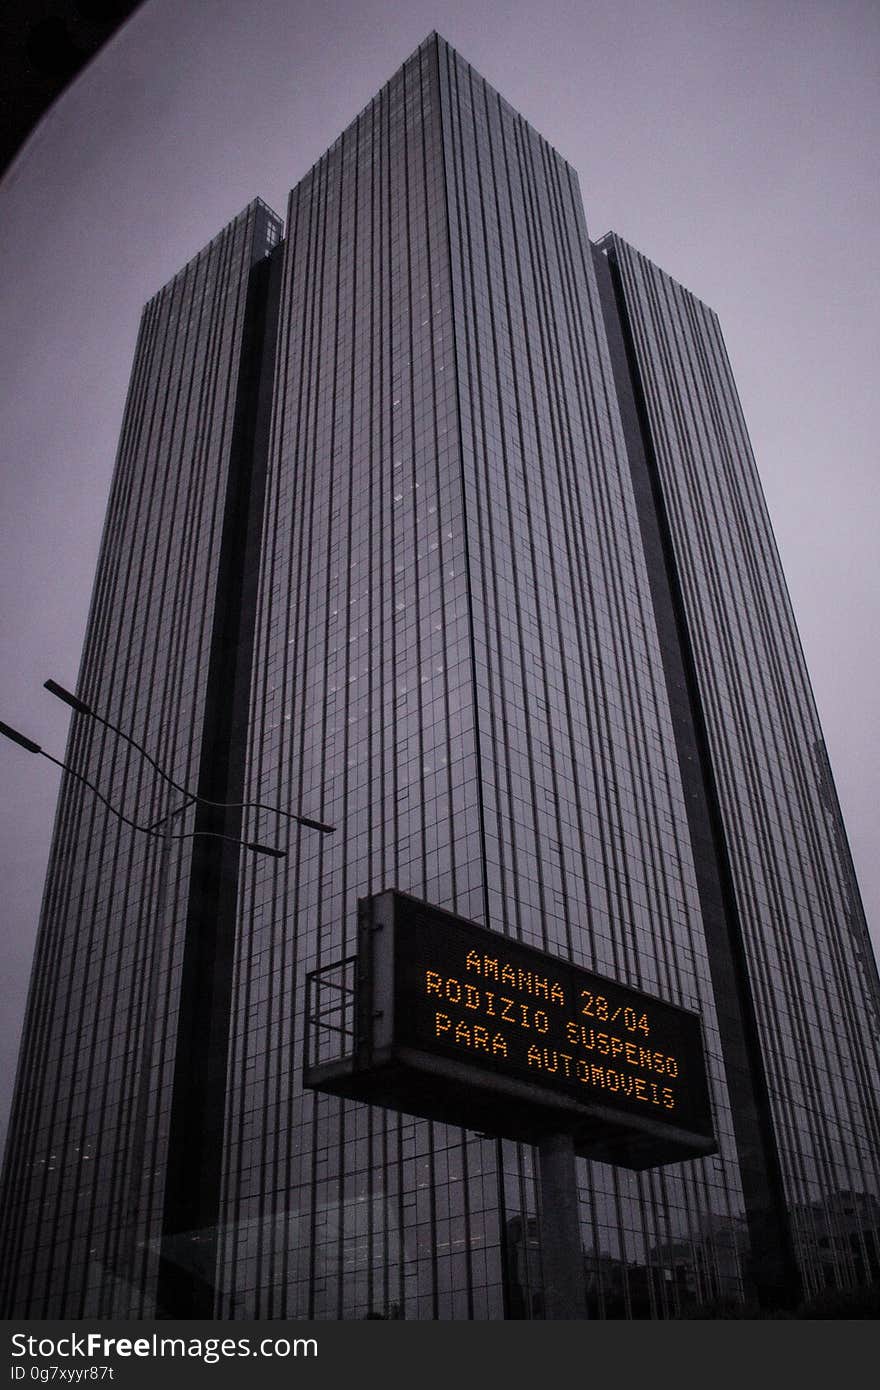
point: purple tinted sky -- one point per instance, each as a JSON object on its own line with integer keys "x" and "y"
{"x": 733, "y": 141}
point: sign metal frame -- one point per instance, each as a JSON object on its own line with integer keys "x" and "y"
{"x": 392, "y": 1062}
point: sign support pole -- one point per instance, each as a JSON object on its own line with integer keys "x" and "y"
{"x": 565, "y": 1293}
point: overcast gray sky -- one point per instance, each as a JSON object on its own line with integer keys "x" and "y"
{"x": 733, "y": 141}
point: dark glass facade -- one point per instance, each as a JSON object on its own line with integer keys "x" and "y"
{"x": 793, "y": 901}
{"x": 112, "y": 993}
{"x": 464, "y": 552}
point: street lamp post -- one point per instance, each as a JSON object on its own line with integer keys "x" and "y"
{"x": 138, "y": 1168}
{"x": 30, "y": 746}
{"x": 159, "y": 829}
{"x": 81, "y": 707}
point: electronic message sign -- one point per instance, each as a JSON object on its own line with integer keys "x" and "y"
{"x": 455, "y": 1022}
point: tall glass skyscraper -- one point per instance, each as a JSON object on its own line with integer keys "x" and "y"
{"x": 440, "y": 523}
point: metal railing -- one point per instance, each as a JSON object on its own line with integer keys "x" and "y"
{"x": 331, "y": 1000}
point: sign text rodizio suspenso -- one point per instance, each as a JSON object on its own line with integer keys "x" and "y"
{"x": 458, "y": 1023}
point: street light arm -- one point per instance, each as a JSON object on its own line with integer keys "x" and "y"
{"x": 81, "y": 707}
{"x": 28, "y": 744}
{"x": 16, "y": 737}
{"x": 80, "y": 777}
